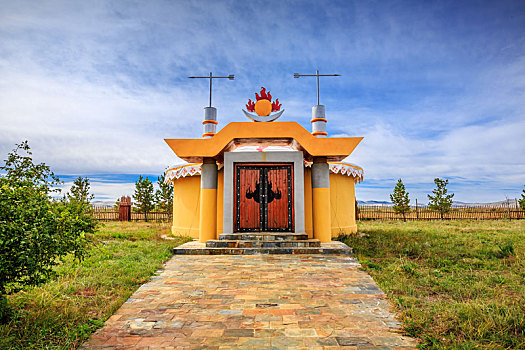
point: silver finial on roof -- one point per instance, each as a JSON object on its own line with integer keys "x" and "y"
{"x": 317, "y": 75}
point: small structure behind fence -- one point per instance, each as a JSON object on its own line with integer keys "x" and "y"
{"x": 125, "y": 213}
{"x": 124, "y": 209}
{"x": 507, "y": 210}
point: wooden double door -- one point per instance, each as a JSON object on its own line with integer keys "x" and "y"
{"x": 263, "y": 199}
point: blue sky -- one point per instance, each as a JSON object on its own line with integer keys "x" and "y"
{"x": 436, "y": 88}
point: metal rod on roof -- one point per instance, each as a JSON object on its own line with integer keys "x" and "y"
{"x": 317, "y": 75}
{"x": 211, "y": 77}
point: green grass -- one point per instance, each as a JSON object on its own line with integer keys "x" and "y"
{"x": 457, "y": 284}
{"x": 63, "y": 313}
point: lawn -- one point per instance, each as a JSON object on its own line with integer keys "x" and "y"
{"x": 63, "y": 313}
{"x": 456, "y": 284}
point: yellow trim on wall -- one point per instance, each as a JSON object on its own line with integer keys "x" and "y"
{"x": 208, "y": 214}
{"x": 308, "y": 225}
{"x": 220, "y": 202}
{"x": 321, "y": 214}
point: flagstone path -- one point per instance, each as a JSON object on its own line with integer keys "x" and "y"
{"x": 255, "y": 302}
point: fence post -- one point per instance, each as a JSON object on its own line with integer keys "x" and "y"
{"x": 356, "y": 212}
{"x": 517, "y": 208}
{"x": 124, "y": 213}
{"x": 417, "y": 214}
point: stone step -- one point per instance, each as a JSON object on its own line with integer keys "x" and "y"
{"x": 263, "y": 236}
{"x": 196, "y": 248}
{"x": 264, "y": 244}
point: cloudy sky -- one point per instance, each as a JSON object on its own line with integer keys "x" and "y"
{"x": 436, "y": 88}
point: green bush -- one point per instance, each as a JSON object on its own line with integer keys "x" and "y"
{"x": 35, "y": 230}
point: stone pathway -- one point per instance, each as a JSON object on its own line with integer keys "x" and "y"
{"x": 255, "y": 302}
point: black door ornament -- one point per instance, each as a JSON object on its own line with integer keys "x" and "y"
{"x": 271, "y": 194}
{"x": 256, "y": 194}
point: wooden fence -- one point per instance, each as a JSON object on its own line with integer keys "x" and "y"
{"x": 423, "y": 212}
{"x": 112, "y": 214}
{"x": 366, "y": 212}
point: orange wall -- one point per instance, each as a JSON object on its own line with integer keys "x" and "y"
{"x": 342, "y": 204}
{"x": 220, "y": 201}
{"x": 186, "y": 193}
{"x": 186, "y": 204}
{"x": 308, "y": 223}
{"x": 186, "y": 209}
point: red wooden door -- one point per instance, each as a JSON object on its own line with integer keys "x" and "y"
{"x": 263, "y": 198}
{"x": 277, "y": 204}
{"x": 249, "y": 209}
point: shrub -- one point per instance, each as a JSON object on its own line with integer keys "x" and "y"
{"x": 35, "y": 230}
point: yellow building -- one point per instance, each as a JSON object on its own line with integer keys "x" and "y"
{"x": 264, "y": 177}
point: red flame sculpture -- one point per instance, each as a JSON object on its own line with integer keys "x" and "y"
{"x": 264, "y": 95}
{"x": 276, "y": 106}
{"x": 250, "y": 106}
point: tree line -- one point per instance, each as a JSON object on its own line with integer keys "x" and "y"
{"x": 439, "y": 200}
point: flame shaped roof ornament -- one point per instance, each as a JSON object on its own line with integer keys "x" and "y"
{"x": 261, "y": 110}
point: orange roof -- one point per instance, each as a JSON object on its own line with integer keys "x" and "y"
{"x": 274, "y": 133}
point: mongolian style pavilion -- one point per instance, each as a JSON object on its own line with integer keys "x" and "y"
{"x": 264, "y": 176}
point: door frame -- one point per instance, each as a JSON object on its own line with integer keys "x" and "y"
{"x": 232, "y": 158}
{"x": 263, "y": 209}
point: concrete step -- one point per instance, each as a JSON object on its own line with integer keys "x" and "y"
{"x": 196, "y": 248}
{"x": 263, "y": 236}
{"x": 303, "y": 243}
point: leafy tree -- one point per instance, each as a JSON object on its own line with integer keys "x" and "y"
{"x": 35, "y": 230}
{"x": 400, "y": 199}
{"x": 440, "y": 200}
{"x": 164, "y": 195}
{"x": 144, "y": 197}
{"x": 79, "y": 192}
{"x": 522, "y": 200}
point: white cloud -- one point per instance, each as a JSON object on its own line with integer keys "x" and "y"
{"x": 96, "y": 87}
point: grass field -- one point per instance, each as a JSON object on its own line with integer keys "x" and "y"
{"x": 457, "y": 284}
{"x": 64, "y": 312}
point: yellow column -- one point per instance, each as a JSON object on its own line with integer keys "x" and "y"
{"x": 208, "y": 201}
{"x": 321, "y": 215}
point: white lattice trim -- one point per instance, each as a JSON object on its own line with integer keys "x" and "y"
{"x": 183, "y": 171}
{"x": 348, "y": 169}
{"x": 335, "y": 167}
{"x": 343, "y": 169}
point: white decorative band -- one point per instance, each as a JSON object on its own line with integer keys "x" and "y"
{"x": 343, "y": 169}
{"x": 335, "y": 167}
{"x": 182, "y": 171}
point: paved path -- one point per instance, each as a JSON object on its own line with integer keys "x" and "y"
{"x": 255, "y": 302}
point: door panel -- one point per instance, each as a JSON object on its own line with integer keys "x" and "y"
{"x": 276, "y": 196}
{"x": 263, "y": 198}
{"x": 249, "y": 195}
